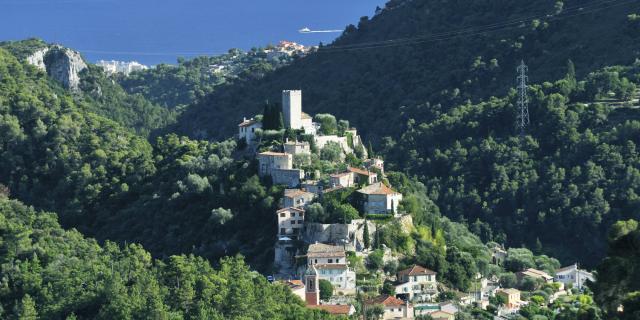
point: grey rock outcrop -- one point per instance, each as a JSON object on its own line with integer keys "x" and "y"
{"x": 62, "y": 64}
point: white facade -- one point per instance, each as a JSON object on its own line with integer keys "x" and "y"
{"x": 247, "y": 130}
{"x": 111, "y": 67}
{"x": 290, "y": 221}
{"x": 417, "y": 284}
{"x": 344, "y": 179}
{"x": 573, "y": 275}
{"x": 331, "y": 265}
{"x": 292, "y": 108}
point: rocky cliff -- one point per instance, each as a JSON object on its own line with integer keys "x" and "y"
{"x": 62, "y": 64}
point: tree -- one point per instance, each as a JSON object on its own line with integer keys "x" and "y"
{"x": 27, "y": 309}
{"x": 331, "y": 152}
{"x": 365, "y": 235}
{"x": 326, "y": 289}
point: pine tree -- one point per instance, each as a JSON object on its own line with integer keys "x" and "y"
{"x": 27, "y": 309}
{"x": 365, "y": 236}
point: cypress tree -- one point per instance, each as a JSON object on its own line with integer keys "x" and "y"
{"x": 365, "y": 236}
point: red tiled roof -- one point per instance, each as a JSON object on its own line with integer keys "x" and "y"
{"x": 377, "y": 188}
{"x": 320, "y": 250}
{"x": 387, "y": 301}
{"x": 361, "y": 171}
{"x": 294, "y": 284}
{"x": 333, "y": 309}
{"x": 416, "y": 270}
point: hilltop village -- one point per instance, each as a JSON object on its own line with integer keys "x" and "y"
{"x": 336, "y": 198}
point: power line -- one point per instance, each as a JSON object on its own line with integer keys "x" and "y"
{"x": 477, "y": 30}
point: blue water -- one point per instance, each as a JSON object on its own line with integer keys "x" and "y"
{"x": 159, "y": 31}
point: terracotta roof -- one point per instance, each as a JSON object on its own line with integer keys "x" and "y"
{"x": 290, "y": 193}
{"x": 247, "y": 123}
{"x": 321, "y": 250}
{"x": 331, "y": 266}
{"x": 294, "y": 284}
{"x": 341, "y": 174}
{"x": 361, "y": 171}
{"x": 377, "y": 188}
{"x": 509, "y": 290}
{"x": 333, "y": 309}
{"x": 271, "y": 153}
{"x": 536, "y": 273}
{"x": 416, "y": 270}
{"x": 305, "y": 116}
{"x": 387, "y": 301}
{"x": 290, "y": 209}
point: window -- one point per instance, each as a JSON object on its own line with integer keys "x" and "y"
{"x": 415, "y": 278}
{"x": 330, "y": 260}
{"x": 282, "y": 231}
{"x": 337, "y": 260}
{"x": 316, "y": 261}
{"x": 293, "y": 214}
{"x": 282, "y": 214}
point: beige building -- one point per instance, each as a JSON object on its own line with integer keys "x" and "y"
{"x": 268, "y": 161}
{"x": 297, "y": 198}
{"x": 297, "y": 288}
{"x": 512, "y": 297}
{"x": 331, "y": 265}
{"x": 290, "y": 222}
{"x": 442, "y": 315}
{"x": 297, "y": 147}
{"x": 343, "y": 179}
{"x": 416, "y": 284}
{"x": 378, "y": 198}
{"x": 364, "y": 177}
{"x": 321, "y": 142}
{"x": 394, "y": 308}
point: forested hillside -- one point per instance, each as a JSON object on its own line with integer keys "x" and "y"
{"x": 456, "y": 50}
{"x": 50, "y": 273}
{"x": 174, "y": 196}
{"x": 559, "y": 187}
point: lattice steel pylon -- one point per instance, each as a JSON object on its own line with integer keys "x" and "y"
{"x": 523, "y": 101}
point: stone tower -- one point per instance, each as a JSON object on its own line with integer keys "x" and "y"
{"x": 312, "y": 286}
{"x": 292, "y": 108}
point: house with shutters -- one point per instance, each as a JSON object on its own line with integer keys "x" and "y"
{"x": 378, "y": 198}
{"x": 417, "y": 284}
{"x": 290, "y": 222}
{"x": 331, "y": 264}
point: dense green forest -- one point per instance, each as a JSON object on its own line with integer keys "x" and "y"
{"x": 50, "y": 273}
{"x": 455, "y": 57}
{"x": 101, "y": 95}
{"x": 174, "y": 196}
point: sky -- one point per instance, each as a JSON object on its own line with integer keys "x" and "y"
{"x": 159, "y": 31}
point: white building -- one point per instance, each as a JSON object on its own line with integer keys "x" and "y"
{"x": 416, "y": 284}
{"x": 269, "y": 161}
{"x": 343, "y": 179}
{"x": 290, "y": 222}
{"x": 573, "y": 275}
{"x": 292, "y": 108}
{"x": 111, "y": 67}
{"x": 331, "y": 265}
{"x": 297, "y": 198}
{"x": 378, "y": 198}
{"x": 247, "y": 129}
